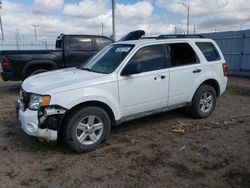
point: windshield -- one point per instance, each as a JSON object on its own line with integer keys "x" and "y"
{"x": 108, "y": 59}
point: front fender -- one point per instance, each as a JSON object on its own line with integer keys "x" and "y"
{"x": 70, "y": 99}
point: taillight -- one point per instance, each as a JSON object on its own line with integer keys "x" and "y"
{"x": 5, "y": 62}
{"x": 225, "y": 69}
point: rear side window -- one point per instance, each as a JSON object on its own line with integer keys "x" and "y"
{"x": 102, "y": 42}
{"x": 81, "y": 43}
{"x": 182, "y": 54}
{"x": 59, "y": 44}
{"x": 149, "y": 58}
{"x": 208, "y": 50}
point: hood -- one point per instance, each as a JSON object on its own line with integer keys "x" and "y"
{"x": 64, "y": 79}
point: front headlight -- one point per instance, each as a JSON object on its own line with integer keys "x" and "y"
{"x": 37, "y": 101}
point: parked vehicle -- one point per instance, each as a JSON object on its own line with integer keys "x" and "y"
{"x": 71, "y": 50}
{"x": 124, "y": 81}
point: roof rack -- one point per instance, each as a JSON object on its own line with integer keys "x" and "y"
{"x": 179, "y": 36}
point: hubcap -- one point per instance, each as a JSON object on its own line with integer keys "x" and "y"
{"x": 206, "y": 102}
{"x": 89, "y": 130}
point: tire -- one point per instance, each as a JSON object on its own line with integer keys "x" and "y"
{"x": 80, "y": 136}
{"x": 204, "y": 101}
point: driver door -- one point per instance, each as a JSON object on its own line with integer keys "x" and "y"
{"x": 147, "y": 88}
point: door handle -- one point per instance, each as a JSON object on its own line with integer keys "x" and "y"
{"x": 196, "y": 70}
{"x": 159, "y": 77}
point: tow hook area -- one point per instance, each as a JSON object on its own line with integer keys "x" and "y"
{"x": 51, "y": 117}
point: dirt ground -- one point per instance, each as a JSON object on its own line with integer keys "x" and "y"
{"x": 212, "y": 152}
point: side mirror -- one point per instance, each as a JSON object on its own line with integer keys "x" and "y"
{"x": 131, "y": 69}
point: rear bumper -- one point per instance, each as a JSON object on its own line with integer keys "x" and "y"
{"x": 223, "y": 86}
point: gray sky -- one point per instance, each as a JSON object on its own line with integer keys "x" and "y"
{"x": 85, "y": 16}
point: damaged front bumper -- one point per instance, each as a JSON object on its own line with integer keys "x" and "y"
{"x": 44, "y": 123}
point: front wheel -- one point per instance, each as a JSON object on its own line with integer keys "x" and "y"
{"x": 204, "y": 101}
{"x": 87, "y": 129}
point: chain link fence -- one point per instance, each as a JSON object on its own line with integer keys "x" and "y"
{"x": 27, "y": 45}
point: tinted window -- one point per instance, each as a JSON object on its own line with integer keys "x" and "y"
{"x": 81, "y": 43}
{"x": 181, "y": 54}
{"x": 209, "y": 51}
{"x": 59, "y": 44}
{"x": 102, "y": 42}
{"x": 149, "y": 58}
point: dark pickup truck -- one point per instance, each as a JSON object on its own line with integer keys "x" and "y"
{"x": 71, "y": 50}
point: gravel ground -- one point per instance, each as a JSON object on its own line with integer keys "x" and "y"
{"x": 166, "y": 150}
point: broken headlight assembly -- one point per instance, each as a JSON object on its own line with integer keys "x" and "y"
{"x": 37, "y": 101}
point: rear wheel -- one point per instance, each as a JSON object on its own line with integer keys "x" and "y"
{"x": 204, "y": 101}
{"x": 87, "y": 129}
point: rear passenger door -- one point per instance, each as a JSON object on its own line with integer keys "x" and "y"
{"x": 78, "y": 49}
{"x": 184, "y": 71}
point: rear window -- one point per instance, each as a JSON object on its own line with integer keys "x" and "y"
{"x": 102, "y": 42}
{"x": 209, "y": 51}
{"x": 58, "y": 43}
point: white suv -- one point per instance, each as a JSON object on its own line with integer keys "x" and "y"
{"x": 124, "y": 81}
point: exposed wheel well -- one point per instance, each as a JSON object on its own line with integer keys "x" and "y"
{"x": 213, "y": 83}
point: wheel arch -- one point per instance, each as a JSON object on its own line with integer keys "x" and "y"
{"x": 211, "y": 82}
{"x": 99, "y": 104}
{"x": 38, "y": 63}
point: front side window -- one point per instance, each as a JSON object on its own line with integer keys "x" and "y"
{"x": 81, "y": 43}
{"x": 108, "y": 59}
{"x": 149, "y": 58}
{"x": 208, "y": 50}
{"x": 182, "y": 54}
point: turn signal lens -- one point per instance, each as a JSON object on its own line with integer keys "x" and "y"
{"x": 45, "y": 100}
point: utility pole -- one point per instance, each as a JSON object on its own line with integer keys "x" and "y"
{"x": 17, "y": 34}
{"x": 1, "y": 24}
{"x": 175, "y": 30}
{"x": 194, "y": 29}
{"x": 35, "y": 26}
{"x": 17, "y": 39}
{"x": 188, "y": 10}
{"x": 113, "y": 19}
{"x": 102, "y": 28}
